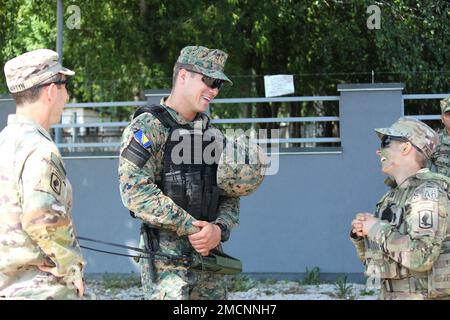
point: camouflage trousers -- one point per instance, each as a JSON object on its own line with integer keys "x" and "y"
{"x": 33, "y": 284}
{"x": 174, "y": 280}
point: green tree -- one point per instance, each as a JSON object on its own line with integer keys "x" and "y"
{"x": 126, "y": 46}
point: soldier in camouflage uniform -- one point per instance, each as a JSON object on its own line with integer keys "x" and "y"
{"x": 145, "y": 162}
{"x": 405, "y": 245}
{"x": 39, "y": 254}
{"x": 441, "y": 157}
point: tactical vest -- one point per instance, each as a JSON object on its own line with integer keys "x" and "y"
{"x": 391, "y": 209}
{"x": 191, "y": 185}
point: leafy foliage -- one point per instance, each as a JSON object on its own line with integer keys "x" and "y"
{"x": 312, "y": 277}
{"x": 242, "y": 283}
{"x": 126, "y": 46}
{"x": 343, "y": 289}
{"x": 120, "y": 282}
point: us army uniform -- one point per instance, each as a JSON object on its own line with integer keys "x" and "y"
{"x": 142, "y": 196}
{"x": 35, "y": 216}
{"x": 441, "y": 157}
{"x": 36, "y": 227}
{"x": 407, "y": 252}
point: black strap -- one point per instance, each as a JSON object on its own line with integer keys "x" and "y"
{"x": 115, "y": 253}
{"x": 148, "y": 252}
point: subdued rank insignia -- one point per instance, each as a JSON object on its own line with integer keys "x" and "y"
{"x": 55, "y": 183}
{"x": 142, "y": 139}
{"x": 425, "y": 219}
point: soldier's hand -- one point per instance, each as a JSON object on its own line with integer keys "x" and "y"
{"x": 80, "y": 287}
{"x": 357, "y": 227}
{"x": 367, "y": 220}
{"x": 206, "y": 239}
{"x": 362, "y": 216}
{"x": 51, "y": 270}
{"x": 77, "y": 283}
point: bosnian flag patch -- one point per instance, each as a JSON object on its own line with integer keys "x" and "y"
{"x": 142, "y": 139}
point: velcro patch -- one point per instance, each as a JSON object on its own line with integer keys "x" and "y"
{"x": 56, "y": 183}
{"x": 142, "y": 139}
{"x": 428, "y": 193}
{"x": 426, "y": 219}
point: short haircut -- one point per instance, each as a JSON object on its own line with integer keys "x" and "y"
{"x": 32, "y": 94}
{"x": 176, "y": 69}
{"x": 421, "y": 159}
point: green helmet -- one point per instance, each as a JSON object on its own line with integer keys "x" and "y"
{"x": 241, "y": 167}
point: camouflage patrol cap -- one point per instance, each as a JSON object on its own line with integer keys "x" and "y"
{"x": 417, "y": 132}
{"x": 33, "y": 68}
{"x": 445, "y": 105}
{"x": 241, "y": 168}
{"x": 209, "y": 62}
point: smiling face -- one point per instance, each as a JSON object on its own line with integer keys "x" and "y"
{"x": 446, "y": 120}
{"x": 390, "y": 156}
{"x": 197, "y": 94}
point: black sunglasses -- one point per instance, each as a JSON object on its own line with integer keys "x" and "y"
{"x": 386, "y": 141}
{"x": 65, "y": 82}
{"x": 210, "y": 82}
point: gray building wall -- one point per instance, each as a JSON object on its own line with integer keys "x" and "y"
{"x": 298, "y": 218}
{"x": 7, "y": 106}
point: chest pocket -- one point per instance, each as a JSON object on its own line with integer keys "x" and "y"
{"x": 393, "y": 214}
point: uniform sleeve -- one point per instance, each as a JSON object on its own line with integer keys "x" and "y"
{"x": 228, "y": 211}
{"x": 358, "y": 242}
{"x": 46, "y": 214}
{"x": 138, "y": 189}
{"x": 426, "y": 223}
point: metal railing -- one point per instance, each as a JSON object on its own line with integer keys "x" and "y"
{"x": 114, "y": 145}
{"x": 424, "y": 97}
{"x": 111, "y": 145}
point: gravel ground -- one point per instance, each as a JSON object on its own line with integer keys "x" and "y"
{"x": 119, "y": 289}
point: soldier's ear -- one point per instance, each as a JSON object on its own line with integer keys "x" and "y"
{"x": 182, "y": 74}
{"x": 51, "y": 92}
{"x": 406, "y": 147}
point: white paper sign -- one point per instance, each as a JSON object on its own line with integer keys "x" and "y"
{"x": 278, "y": 85}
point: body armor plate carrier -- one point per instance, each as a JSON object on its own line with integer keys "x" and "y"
{"x": 189, "y": 181}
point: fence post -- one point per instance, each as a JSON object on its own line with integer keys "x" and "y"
{"x": 7, "y": 106}
{"x": 364, "y": 107}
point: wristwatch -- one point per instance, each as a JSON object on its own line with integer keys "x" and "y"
{"x": 225, "y": 233}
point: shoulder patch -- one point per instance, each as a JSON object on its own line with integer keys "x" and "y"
{"x": 425, "y": 219}
{"x": 56, "y": 183}
{"x": 142, "y": 139}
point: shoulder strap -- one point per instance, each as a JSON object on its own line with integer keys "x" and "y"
{"x": 159, "y": 113}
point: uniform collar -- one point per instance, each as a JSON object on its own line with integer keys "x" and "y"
{"x": 390, "y": 182}
{"x": 423, "y": 170}
{"x": 443, "y": 134}
{"x": 21, "y": 119}
{"x": 180, "y": 120}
